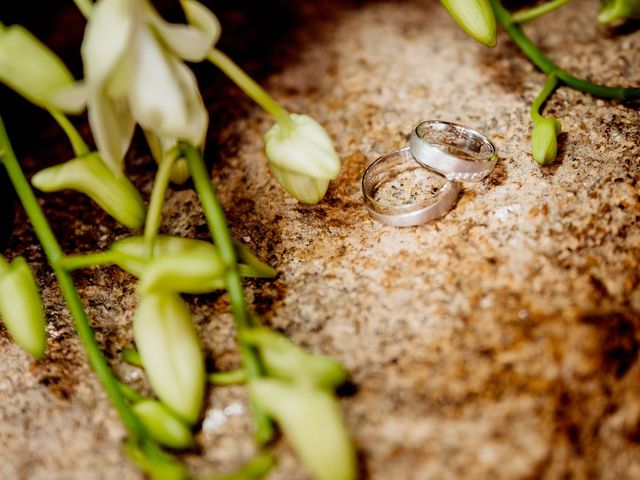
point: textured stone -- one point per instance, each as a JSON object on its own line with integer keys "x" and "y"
{"x": 498, "y": 342}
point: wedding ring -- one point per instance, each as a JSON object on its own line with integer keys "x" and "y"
{"x": 457, "y": 152}
{"x": 401, "y": 193}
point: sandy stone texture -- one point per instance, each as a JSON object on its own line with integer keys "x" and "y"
{"x": 499, "y": 342}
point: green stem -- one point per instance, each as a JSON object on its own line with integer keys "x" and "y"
{"x": 228, "y": 378}
{"x": 84, "y": 6}
{"x": 255, "y": 468}
{"x": 55, "y": 255}
{"x": 75, "y": 262}
{"x": 535, "y": 12}
{"x": 250, "y": 87}
{"x": 80, "y": 148}
{"x": 131, "y": 394}
{"x": 547, "y": 66}
{"x": 223, "y": 240}
{"x": 549, "y": 86}
{"x": 154, "y": 214}
{"x": 132, "y": 357}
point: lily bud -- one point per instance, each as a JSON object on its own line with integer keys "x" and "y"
{"x": 615, "y": 10}
{"x": 21, "y": 308}
{"x": 302, "y": 158}
{"x": 116, "y": 195}
{"x": 544, "y": 141}
{"x": 163, "y": 426}
{"x": 312, "y": 421}
{"x": 195, "y": 271}
{"x": 134, "y": 257}
{"x": 287, "y": 361}
{"x": 476, "y": 17}
{"x": 170, "y": 352}
{"x": 31, "y": 69}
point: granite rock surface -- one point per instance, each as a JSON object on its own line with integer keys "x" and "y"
{"x": 500, "y": 342}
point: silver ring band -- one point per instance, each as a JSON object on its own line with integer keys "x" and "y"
{"x": 457, "y": 152}
{"x": 401, "y": 193}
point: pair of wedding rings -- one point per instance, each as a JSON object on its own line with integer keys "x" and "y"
{"x": 421, "y": 182}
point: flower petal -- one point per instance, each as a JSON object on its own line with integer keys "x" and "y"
{"x": 107, "y": 38}
{"x": 164, "y": 95}
{"x": 71, "y": 99}
{"x": 189, "y": 42}
{"x": 112, "y": 128}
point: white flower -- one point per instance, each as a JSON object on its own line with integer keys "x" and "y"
{"x": 135, "y": 74}
{"x": 302, "y": 158}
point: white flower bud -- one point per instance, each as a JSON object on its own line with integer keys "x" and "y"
{"x": 162, "y": 425}
{"x": 170, "y": 352}
{"x": 116, "y": 195}
{"x": 302, "y": 158}
{"x": 21, "y": 308}
{"x": 31, "y": 69}
{"x": 476, "y": 17}
{"x": 312, "y": 421}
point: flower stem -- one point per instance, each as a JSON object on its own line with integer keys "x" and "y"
{"x": 154, "y": 214}
{"x": 76, "y": 262}
{"x": 547, "y": 66}
{"x": 549, "y": 86}
{"x": 54, "y": 253}
{"x": 131, "y": 394}
{"x": 223, "y": 240}
{"x": 132, "y": 357}
{"x": 232, "y": 377}
{"x": 250, "y": 87}
{"x": 535, "y": 12}
{"x": 84, "y": 6}
{"x": 80, "y": 148}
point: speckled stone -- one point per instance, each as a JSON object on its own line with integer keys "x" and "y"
{"x": 498, "y": 342}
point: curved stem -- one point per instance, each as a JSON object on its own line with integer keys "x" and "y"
{"x": 154, "y": 214}
{"x": 535, "y": 12}
{"x": 54, "y": 253}
{"x": 232, "y": 377}
{"x": 223, "y": 240}
{"x": 132, "y": 357}
{"x": 548, "y": 67}
{"x": 250, "y": 87}
{"x": 549, "y": 86}
{"x": 80, "y": 148}
{"x": 76, "y": 262}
